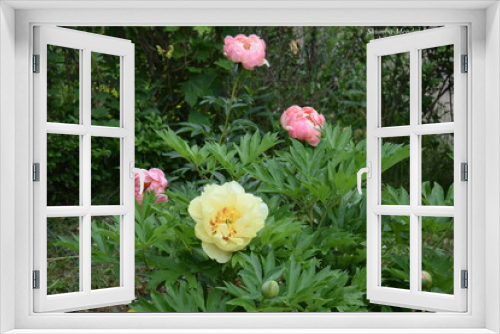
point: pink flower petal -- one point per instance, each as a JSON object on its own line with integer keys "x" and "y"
{"x": 249, "y": 51}
{"x": 303, "y": 123}
{"x": 154, "y": 180}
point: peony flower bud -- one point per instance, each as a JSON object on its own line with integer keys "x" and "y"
{"x": 426, "y": 280}
{"x": 270, "y": 289}
{"x": 303, "y": 124}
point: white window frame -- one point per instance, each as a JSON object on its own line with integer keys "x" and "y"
{"x": 412, "y": 44}
{"x": 85, "y": 43}
{"x": 483, "y": 20}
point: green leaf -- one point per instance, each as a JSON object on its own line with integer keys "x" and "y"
{"x": 171, "y": 29}
{"x": 252, "y": 146}
{"x": 197, "y": 86}
{"x": 248, "y": 305}
{"x": 224, "y": 63}
{"x": 202, "y": 30}
{"x": 197, "y": 117}
{"x": 393, "y": 153}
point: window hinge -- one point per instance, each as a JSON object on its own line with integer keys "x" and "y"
{"x": 465, "y": 64}
{"x": 36, "y": 63}
{"x": 464, "y": 279}
{"x": 36, "y": 279}
{"x": 36, "y": 172}
{"x": 464, "y": 172}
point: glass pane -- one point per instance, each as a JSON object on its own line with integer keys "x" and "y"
{"x": 395, "y": 251}
{"x": 63, "y": 85}
{"x": 63, "y": 170}
{"x": 105, "y": 90}
{"x": 63, "y": 255}
{"x": 105, "y": 171}
{"x": 105, "y": 252}
{"x": 437, "y": 84}
{"x": 437, "y": 164}
{"x": 395, "y": 169}
{"x": 395, "y": 94}
{"x": 437, "y": 254}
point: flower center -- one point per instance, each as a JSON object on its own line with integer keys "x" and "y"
{"x": 223, "y": 222}
{"x": 246, "y": 44}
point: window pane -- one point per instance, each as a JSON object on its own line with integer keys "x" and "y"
{"x": 63, "y": 255}
{"x": 105, "y": 252}
{"x": 105, "y": 89}
{"x": 437, "y": 254}
{"x": 395, "y": 251}
{"x": 395, "y": 94}
{"x": 63, "y": 170}
{"x": 437, "y": 84}
{"x": 395, "y": 175}
{"x": 105, "y": 171}
{"x": 63, "y": 85}
{"x": 437, "y": 164}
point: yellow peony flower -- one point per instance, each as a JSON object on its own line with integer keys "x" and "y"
{"x": 227, "y": 219}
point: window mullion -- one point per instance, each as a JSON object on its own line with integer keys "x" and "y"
{"x": 414, "y": 172}
{"x": 82, "y": 173}
{"x": 85, "y": 240}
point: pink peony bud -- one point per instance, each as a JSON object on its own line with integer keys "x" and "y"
{"x": 154, "y": 180}
{"x": 249, "y": 51}
{"x": 426, "y": 280}
{"x": 303, "y": 123}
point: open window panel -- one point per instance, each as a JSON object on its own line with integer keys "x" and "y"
{"x": 88, "y": 186}
{"x": 414, "y": 235}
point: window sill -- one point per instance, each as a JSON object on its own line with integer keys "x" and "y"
{"x": 252, "y": 331}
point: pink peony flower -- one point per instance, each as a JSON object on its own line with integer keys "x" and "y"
{"x": 158, "y": 180}
{"x": 303, "y": 123}
{"x": 249, "y": 51}
{"x": 161, "y": 198}
{"x": 154, "y": 180}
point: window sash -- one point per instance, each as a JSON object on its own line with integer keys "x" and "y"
{"x": 85, "y": 298}
{"x": 412, "y": 43}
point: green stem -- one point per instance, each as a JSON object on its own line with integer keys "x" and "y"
{"x": 311, "y": 219}
{"x": 199, "y": 171}
{"x": 144, "y": 259}
{"x": 443, "y": 236}
{"x": 310, "y": 213}
{"x": 323, "y": 218}
{"x": 230, "y": 105}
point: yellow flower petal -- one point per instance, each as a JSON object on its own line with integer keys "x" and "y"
{"x": 232, "y": 244}
{"x": 195, "y": 209}
{"x": 227, "y": 219}
{"x": 216, "y": 253}
{"x": 248, "y": 226}
{"x": 201, "y": 233}
{"x": 235, "y": 187}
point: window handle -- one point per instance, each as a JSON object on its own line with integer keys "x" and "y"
{"x": 368, "y": 171}
{"x": 134, "y": 170}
